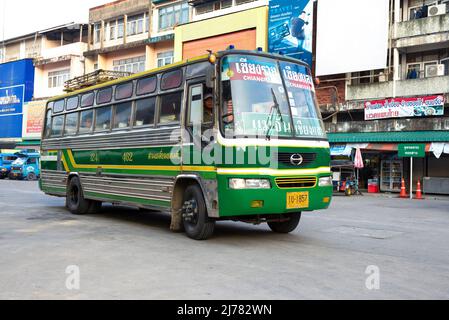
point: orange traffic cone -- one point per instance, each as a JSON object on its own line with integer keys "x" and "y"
{"x": 419, "y": 192}
{"x": 403, "y": 191}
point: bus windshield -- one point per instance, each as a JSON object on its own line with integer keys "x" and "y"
{"x": 263, "y": 97}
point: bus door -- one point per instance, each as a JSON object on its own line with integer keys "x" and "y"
{"x": 199, "y": 122}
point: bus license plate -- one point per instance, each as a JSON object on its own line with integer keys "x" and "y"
{"x": 297, "y": 200}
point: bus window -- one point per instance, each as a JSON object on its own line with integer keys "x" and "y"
{"x": 145, "y": 112}
{"x": 86, "y": 121}
{"x": 146, "y": 86}
{"x": 170, "y": 108}
{"x": 122, "y": 117}
{"x": 87, "y": 100}
{"x": 72, "y": 103}
{"x": 103, "y": 119}
{"x": 32, "y": 161}
{"x": 124, "y": 91}
{"x": 171, "y": 80}
{"x": 104, "y": 96}
{"x": 71, "y": 124}
{"x": 47, "y": 130}
{"x": 56, "y": 127}
{"x": 196, "y": 103}
{"x": 58, "y": 106}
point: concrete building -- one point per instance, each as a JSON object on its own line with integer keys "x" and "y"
{"x": 217, "y": 24}
{"x": 57, "y": 54}
{"x": 417, "y": 73}
{"x": 133, "y": 35}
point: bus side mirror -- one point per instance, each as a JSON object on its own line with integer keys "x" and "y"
{"x": 210, "y": 77}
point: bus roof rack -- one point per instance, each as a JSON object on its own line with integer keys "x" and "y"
{"x": 93, "y": 78}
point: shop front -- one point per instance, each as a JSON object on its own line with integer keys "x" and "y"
{"x": 385, "y": 168}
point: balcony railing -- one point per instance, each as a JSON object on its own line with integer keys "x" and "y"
{"x": 422, "y": 31}
{"x": 390, "y": 125}
{"x": 75, "y": 49}
{"x": 404, "y": 88}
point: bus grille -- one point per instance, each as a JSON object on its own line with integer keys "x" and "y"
{"x": 287, "y": 183}
{"x": 285, "y": 158}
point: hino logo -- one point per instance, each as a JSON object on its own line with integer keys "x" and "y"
{"x": 296, "y": 159}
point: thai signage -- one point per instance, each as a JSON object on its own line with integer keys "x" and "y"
{"x": 33, "y": 119}
{"x": 412, "y": 150}
{"x": 405, "y": 107}
{"x": 290, "y": 28}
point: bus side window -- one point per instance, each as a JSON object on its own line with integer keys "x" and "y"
{"x": 122, "y": 115}
{"x": 71, "y": 124}
{"x": 86, "y": 121}
{"x": 57, "y": 126}
{"x": 195, "y": 116}
{"x": 103, "y": 119}
{"x": 170, "y": 111}
{"x": 145, "y": 110}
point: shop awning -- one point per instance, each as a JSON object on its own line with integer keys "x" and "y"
{"x": 29, "y": 143}
{"x": 401, "y": 137}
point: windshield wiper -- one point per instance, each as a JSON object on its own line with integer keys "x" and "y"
{"x": 277, "y": 108}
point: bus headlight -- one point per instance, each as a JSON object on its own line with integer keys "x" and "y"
{"x": 325, "y": 182}
{"x": 239, "y": 184}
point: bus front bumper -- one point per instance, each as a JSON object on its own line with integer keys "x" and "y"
{"x": 276, "y": 200}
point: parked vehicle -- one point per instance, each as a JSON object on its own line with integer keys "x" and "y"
{"x": 26, "y": 166}
{"x": 6, "y": 159}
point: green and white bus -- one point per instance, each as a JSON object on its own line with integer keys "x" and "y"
{"x": 233, "y": 135}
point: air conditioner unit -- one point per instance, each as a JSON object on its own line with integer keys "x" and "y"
{"x": 435, "y": 70}
{"x": 436, "y": 10}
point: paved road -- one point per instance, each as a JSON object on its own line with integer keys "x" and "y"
{"x": 124, "y": 254}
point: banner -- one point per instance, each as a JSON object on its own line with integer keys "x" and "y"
{"x": 33, "y": 119}
{"x": 290, "y": 28}
{"x": 405, "y": 107}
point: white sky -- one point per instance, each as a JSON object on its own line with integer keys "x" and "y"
{"x": 19, "y": 17}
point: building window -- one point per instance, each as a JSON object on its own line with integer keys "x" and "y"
{"x": 170, "y": 16}
{"x": 135, "y": 25}
{"x": 56, "y": 79}
{"x": 239, "y": 2}
{"x": 445, "y": 61}
{"x": 120, "y": 29}
{"x": 164, "y": 58}
{"x": 2, "y": 55}
{"x": 112, "y": 30}
{"x": 97, "y": 32}
{"x": 213, "y": 6}
{"x": 133, "y": 65}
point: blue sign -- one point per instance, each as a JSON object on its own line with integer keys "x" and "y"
{"x": 290, "y": 28}
{"x": 11, "y": 100}
{"x": 16, "y": 88}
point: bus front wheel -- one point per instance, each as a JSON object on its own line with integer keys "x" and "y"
{"x": 196, "y": 222}
{"x": 76, "y": 202}
{"x": 286, "y": 226}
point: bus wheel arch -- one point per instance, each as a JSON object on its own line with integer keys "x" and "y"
{"x": 181, "y": 184}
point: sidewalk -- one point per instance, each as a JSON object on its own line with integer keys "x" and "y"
{"x": 391, "y": 195}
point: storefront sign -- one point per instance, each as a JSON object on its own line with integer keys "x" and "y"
{"x": 412, "y": 150}
{"x": 405, "y": 107}
{"x": 290, "y": 28}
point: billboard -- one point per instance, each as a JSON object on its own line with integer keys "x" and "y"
{"x": 33, "y": 119}
{"x": 16, "y": 88}
{"x": 290, "y": 28}
{"x": 352, "y": 36}
{"x": 405, "y": 107}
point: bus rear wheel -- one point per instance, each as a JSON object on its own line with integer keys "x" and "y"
{"x": 76, "y": 202}
{"x": 286, "y": 226}
{"x": 197, "y": 224}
